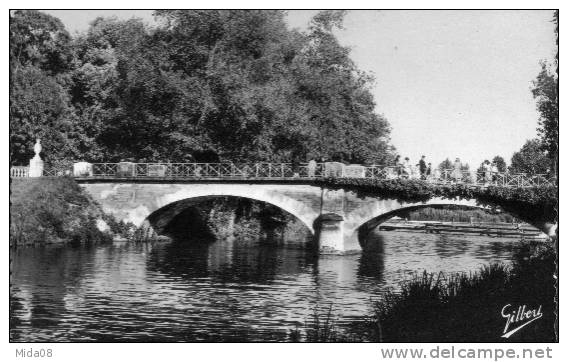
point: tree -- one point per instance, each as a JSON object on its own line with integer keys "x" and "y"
{"x": 545, "y": 91}
{"x": 39, "y": 40}
{"x": 446, "y": 165}
{"x": 240, "y": 84}
{"x": 40, "y": 58}
{"x": 500, "y": 163}
{"x": 204, "y": 85}
{"x": 108, "y": 92}
{"x": 531, "y": 159}
{"x": 39, "y": 107}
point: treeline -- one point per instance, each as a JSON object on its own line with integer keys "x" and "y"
{"x": 456, "y": 214}
{"x": 540, "y": 155}
{"x": 204, "y": 85}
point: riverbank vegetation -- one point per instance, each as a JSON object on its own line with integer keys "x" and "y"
{"x": 56, "y": 210}
{"x": 456, "y": 213}
{"x": 467, "y": 308}
{"x": 458, "y": 307}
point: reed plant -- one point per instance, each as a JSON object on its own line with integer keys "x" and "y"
{"x": 457, "y": 307}
{"x": 433, "y": 307}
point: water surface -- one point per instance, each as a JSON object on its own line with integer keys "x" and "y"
{"x": 229, "y": 290}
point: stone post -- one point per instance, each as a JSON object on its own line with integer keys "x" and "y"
{"x": 82, "y": 169}
{"x": 36, "y": 163}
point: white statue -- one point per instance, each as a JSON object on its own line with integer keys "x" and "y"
{"x": 36, "y": 164}
{"x": 37, "y": 148}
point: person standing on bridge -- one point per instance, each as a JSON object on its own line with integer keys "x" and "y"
{"x": 397, "y": 166}
{"x": 457, "y": 171}
{"x": 312, "y": 165}
{"x": 295, "y": 167}
{"x": 494, "y": 171}
{"x": 486, "y": 169}
{"x": 406, "y": 168}
{"x": 423, "y": 168}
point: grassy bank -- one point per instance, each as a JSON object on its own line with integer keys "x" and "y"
{"x": 56, "y": 210}
{"x": 458, "y": 307}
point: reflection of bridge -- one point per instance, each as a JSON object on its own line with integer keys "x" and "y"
{"x": 153, "y": 194}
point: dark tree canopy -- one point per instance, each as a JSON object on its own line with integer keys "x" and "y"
{"x": 40, "y": 60}
{"x": 500, "y": 163}
{"x": 545, "y": 91}
{"x": 531, "y": 159}
{"x": 541, "y": 155}
{"x": 205, "y": 85}
{"x": 446, "y": 165}
{"x": 39, "y": 40}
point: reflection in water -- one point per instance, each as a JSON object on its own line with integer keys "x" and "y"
{"x": 229, "y": 290}
{"x": 372, "y": 260}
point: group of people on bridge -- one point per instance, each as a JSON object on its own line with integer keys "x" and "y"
{"x": 406, "y": 170}
{"x": 457, "y": 172}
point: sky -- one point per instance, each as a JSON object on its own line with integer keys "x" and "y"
{"x": 450, "y": 83}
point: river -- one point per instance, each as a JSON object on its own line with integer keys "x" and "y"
{"x": 229, "y": 290}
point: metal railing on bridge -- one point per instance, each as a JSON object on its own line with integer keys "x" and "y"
{"x": 204, "y": 170}
{"x": 281, "y": 171}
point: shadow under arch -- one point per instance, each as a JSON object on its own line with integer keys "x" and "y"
{"x": 162, "y": 217}
{"x": 366, "y": 227}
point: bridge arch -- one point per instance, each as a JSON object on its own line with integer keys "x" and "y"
{"x": 382, "y": 209}
{"x": 157, "y": 203}
{"x": 364, "y": 225}
{"x": 160, "y": 218}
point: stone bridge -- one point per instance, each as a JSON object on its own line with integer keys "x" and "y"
{"x": 335, "y": 217}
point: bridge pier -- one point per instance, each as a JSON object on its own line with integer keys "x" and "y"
{"x": 333, "y": 236}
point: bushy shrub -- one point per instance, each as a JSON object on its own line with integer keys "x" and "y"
{"x": 467, "y": 308}
{"x": 53, "y": 210}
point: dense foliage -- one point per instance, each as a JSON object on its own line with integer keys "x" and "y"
{"x": 531, "y": 159}
{"x": 40, "y": 61}
{"x": 545, "y": 91}
{"x": 449, "y": 165}
{"x": 500, "y": 163}
{"x": 57, "y": 210}
{"x": 531, "y": 204}
{"x": 204, "y": 85}
{"x": 456, "y": 213}
{"x": 428, "y": 306}
{"x": 541, "y": 155}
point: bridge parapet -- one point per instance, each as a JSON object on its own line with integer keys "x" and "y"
{"x": 286, "y": 171}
